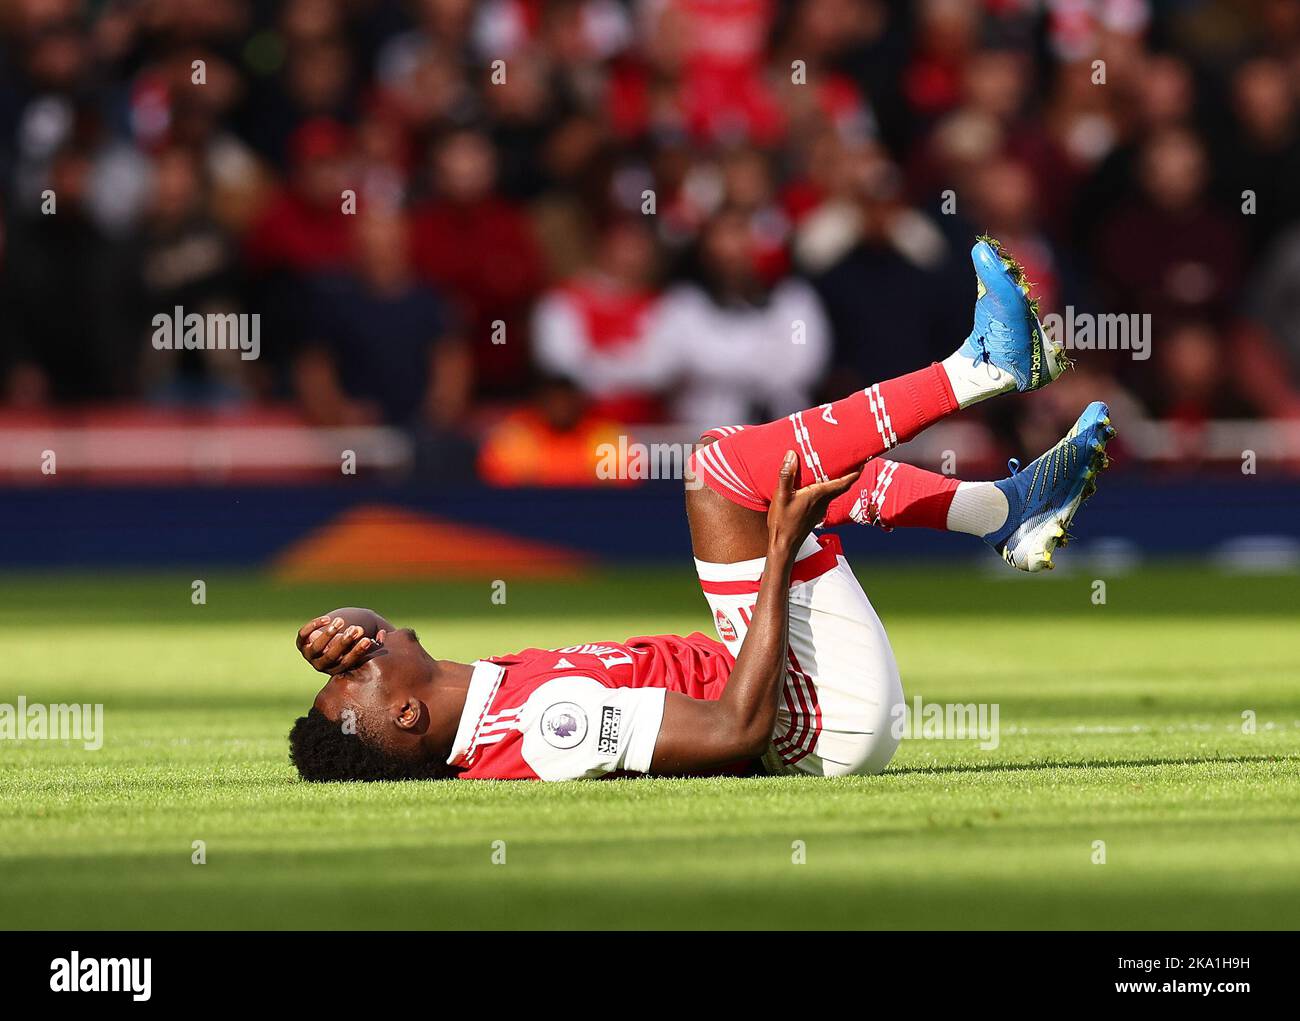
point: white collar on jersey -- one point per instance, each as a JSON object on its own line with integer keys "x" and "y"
{"x": 483, "y": 684}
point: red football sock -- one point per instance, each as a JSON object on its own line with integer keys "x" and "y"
{"x": 891, "y": 495}
{"x": 832, "y": 440}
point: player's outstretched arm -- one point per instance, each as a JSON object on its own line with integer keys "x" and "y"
{"x": 696, "y": 734}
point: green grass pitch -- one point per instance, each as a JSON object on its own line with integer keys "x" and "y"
{"x": 1121, "y": 723}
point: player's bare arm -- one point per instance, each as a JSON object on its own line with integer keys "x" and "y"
{"x": 699, "y": 734}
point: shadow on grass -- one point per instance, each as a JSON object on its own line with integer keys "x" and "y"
{"x": 386, "y": 888}
{"x": 1026, "y": 767}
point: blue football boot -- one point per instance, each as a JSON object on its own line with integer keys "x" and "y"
{"x": 1007, "y": 334}
{"x": 1043, "y": 498}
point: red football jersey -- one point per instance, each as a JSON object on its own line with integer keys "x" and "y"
{"x": 583, "y": 711}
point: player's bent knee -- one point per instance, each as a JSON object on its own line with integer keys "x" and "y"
{"x": 877, "y": 755}
{"x": 868, "y": 750}
{"x": 858, "y": 754}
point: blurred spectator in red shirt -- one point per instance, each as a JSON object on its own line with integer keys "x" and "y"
{"x": 300, "y": 232}
{"x": 480, "y": 247}
{"x": 712, "y": 54}
{"x": 946, "y": 35}
{"x": 302, "y": 229}
{"x": 596, "y": 328}
{"x": 1170, "y": 251}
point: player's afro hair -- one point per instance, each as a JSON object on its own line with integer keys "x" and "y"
{"x": 323, "y": 753}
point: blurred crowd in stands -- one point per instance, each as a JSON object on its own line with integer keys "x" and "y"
{"x": 518, "y": 227}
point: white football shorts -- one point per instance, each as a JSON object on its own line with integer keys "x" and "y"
{"x": 842, "y": 691}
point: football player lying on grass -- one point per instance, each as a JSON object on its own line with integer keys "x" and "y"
{"x": 803, "y": 679}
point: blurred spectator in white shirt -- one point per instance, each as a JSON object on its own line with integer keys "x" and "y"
{"x": 742, "y": 352}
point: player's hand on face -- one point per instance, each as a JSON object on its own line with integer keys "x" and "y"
{"x": 795, "y": 512}
{"x": 332, "y": 647}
